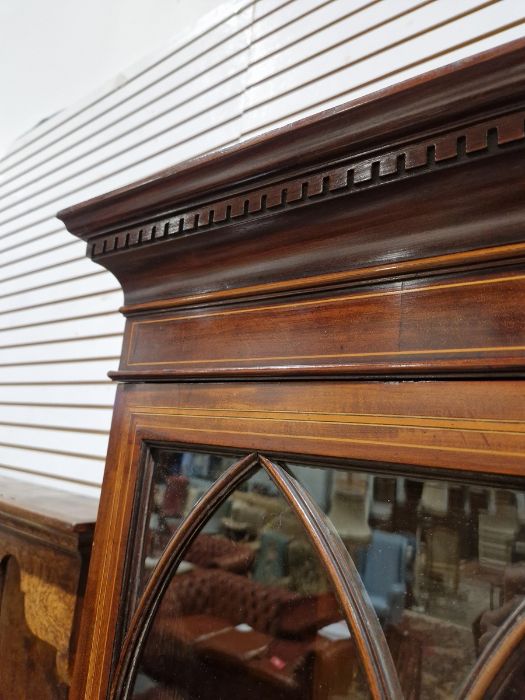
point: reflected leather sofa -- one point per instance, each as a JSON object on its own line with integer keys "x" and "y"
{"x": 216, "y": 552}
{"x": 276, "y": 653}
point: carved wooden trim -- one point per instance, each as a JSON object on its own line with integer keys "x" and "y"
{"x": 483, "y": 84}
{"x": 354, "y": 175}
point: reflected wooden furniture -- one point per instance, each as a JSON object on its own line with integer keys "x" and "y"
{"x": 45, "y": 546}
{"x": 346, "y": 290}
{"x": 210, "y": 605}
{"x": 493, "y": 577}
{"x": 442, "y": 556}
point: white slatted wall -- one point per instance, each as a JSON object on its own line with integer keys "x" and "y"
{"x": 251, "y": 66}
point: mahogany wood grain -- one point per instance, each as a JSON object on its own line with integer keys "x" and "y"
{"x": 400, "y": 326}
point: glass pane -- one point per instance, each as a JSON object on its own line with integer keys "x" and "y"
{"x": 443, "y": 564}
{"x": 250, "y": 614}
{"x": 179, "y": 480}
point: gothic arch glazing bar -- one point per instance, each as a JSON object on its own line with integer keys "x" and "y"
{"x": 360, "y": 616}
{"x": 160, "y": 579}
{"x": 506, "y": 644}
{"x": 373, "y": 648}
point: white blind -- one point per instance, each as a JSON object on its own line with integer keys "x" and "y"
{"x": 252, "y": 65}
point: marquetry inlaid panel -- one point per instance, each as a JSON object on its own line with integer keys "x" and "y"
{"x": 404, "y": 325}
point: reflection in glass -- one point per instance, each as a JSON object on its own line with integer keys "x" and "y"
{"x": 179, "y": 480}
{"x": 443, "y": 564}
{"x": 250, "y": 613}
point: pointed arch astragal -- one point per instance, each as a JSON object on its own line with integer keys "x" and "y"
{"x": 493, "y": 661}
{"x": 361, "y": 617}
{"x": 148, "y": 605}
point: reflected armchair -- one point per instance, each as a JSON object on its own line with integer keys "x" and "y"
{"x": 384, "y": 575}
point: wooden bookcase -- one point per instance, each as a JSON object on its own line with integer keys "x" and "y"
{"x": 345, "y": 292}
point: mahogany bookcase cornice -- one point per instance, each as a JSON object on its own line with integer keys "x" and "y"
{"x": 373, "y": 221}
{"x": 460, "y": 91}
{"x": 354, "y": 190}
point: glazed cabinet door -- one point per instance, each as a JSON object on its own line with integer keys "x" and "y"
{"x": 267, "y": 557}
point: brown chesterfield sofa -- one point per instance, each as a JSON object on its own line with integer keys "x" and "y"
{"x": 194, "y": 642}
{"x": 216, "y": 552}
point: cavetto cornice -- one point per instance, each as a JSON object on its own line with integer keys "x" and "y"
{"x": 356, "y": 187}
{"x": 309, "y": 187}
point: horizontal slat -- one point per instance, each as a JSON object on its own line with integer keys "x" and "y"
{"x": 352, "y": 40}
{"x": 212, "y": 131}
{"x": 80, "y": 327}
{"x": 191, "y": 92}
{"x": 31, "y": 244}
{"x": 438, "y": 60}
{"x": 74, "y": 250}
{"x": 283, "y": 16}
{"x": 306, "y": 27}
{"x": 163, "y": 119}
{"x": 49, "y": 294}
{"x": 83, "y": 370}
{"x": 47, "y": 227}
{"x": 80, "y": 417}
{"x": 66, "y": 466}
{"x": 90, "y": 347}
{"x": 48, "y": 276}
{"x": 89, "y": 304}
{"x": 90, "y": 445}
{"x": 33, "y": 477}
{"x": 367, "y": 59}
{"x": 101, "y": 394}
{"x": 235, "y": 18}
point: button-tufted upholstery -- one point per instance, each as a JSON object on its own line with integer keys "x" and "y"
{"x": 225, "y": 595}
{"x": 217, "y": 552}
{"x": 203, "y": 605}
